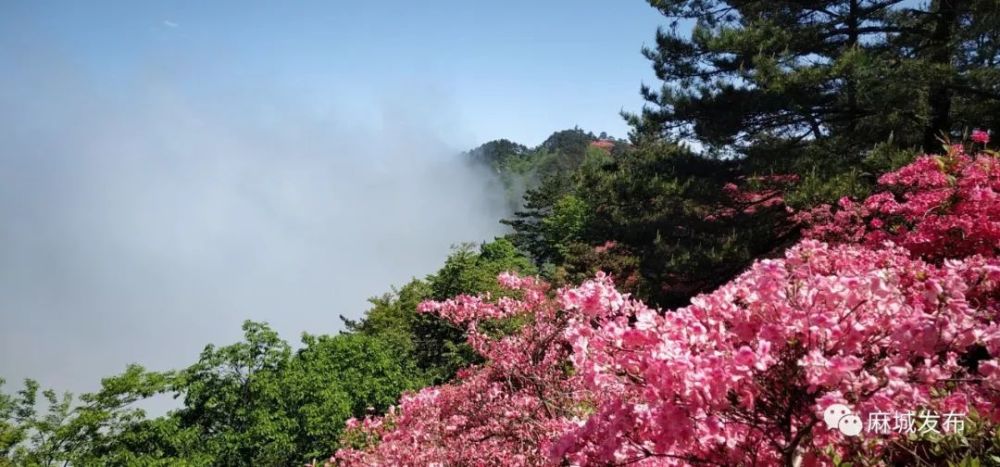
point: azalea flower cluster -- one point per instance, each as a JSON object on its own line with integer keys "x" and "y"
{"x": 504, "y": 412}
{"x": 742, "y": 375}
{"x": 897, "y": 312}
{"x": 937, "y": 207}
{"x": 752, "y": 195}
{"x": 980, "y": 136}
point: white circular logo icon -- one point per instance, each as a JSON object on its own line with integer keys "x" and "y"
{"x": 834, "y": 413}
{"x": 850, "y": 425}
{"x": 842, "y": 418}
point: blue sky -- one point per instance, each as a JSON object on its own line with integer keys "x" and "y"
{"x": 169, "y": 169}
{"x": 515, "y": 69}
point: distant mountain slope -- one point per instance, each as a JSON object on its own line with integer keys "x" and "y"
{"x": 520, "y": 168}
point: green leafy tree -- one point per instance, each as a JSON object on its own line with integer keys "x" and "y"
{"x": 107, "y": 428}
{"x": 566, "y": 150}
{"x": 499, "y": 154}
{"x": 333, "y": 378}
{"x": 520, "y": 169}
{"x": 103, "y": 428}
{"x": 255, "y": 402}
{"x": 16, "y": 412}
{"x": 392, "y": 315}
{"x": 565, "y": 225}
{"x": 470, "y": 271}
{"x": 234, "y": 395}
{"x": 661, "y": 207}
{"x": 438, "y": 349}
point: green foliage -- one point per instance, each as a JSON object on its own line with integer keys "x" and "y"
{"x": 234, "y": 395}
{"x": 565, "y": 225}
{"x": 833, "y": 91}
{"x": 104, "y": 428}
{"x": 528, "y": 233}
{"x": 14, "y": 411}
{"x": 359, "y": 373}
{"x": 666, "y": 206}
{"x": 260, "y": 404}
{"x": 661, "y": 207}
{"x": 254, "y": 402}
{"x": 499, "y": 153}
{"x": 392, "y": 316}
{"x": 520, "y": 169}
{"x": 841, "y": 75}
{"x": 438, "y": 349}
{"x": 470, "y": 271}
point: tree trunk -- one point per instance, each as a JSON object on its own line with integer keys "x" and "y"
{"x": 939, "y": 93}
{"x": 852, "y": 86}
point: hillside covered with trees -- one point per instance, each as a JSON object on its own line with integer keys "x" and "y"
{"x": 805, "y": 213}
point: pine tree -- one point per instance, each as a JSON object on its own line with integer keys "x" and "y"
{"x": 841, "y": 76}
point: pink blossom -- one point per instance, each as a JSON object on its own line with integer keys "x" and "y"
{"x": 937, "y": 207}
{"x": 877, "y": 317}
{"x": 826, "y": 322}
{"x": 980, "y": 136}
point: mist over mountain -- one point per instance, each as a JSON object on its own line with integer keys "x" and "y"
{"x": 141, "y": 224}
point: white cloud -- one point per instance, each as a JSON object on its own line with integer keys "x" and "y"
{"x": 142, "y": 226}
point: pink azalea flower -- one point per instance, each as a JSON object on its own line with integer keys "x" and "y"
{"x": 980, "y": 136}
{"x": 875, "y": 317}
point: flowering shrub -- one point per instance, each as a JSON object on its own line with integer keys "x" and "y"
{"x": 742, "y": 375}
{"x": 504, "y": 412}
{"x": 752, "y": 195}
{"x": 937, "y": 207}
{"x": 980, "y": 136}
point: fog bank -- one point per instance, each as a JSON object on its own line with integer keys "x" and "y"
{"x": 141, "y": 220}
